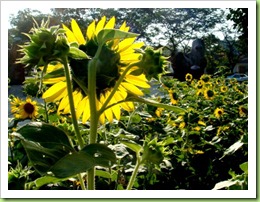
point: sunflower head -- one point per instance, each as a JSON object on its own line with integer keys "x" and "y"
{"x": 46, "y": 44}
{"x": 205, "y": 78}
{"x": 24, "y": 109}
{"x": 223, "y": 89}
{"x": 209, "y": 94}
{"x": 218, "y": 112}
{"x": 242, "y": 111}
{"x": 110, "y": 51}
{"x": 153, "y": 63}
{"x": 173, "y": 96}
{"x": 188, "y": 77}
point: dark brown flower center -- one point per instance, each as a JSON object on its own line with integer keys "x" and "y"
{"x": 28, "y": 108}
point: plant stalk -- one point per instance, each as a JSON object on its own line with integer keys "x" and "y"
{"x": 73, "y": 113}
{"x": 134, "y": 174}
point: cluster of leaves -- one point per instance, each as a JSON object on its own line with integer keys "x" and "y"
{"x": 190, "y": 150}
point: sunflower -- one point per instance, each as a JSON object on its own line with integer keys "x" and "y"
{"x": 209, "y": 94}
{"x": 205, "y": 78}
{"x": 223, "y": 89}
{"x": 242, "y": 111}
{"x": 26, "y": 109}
{"x": 219, "y": 112}
{"x": 188, "y": 77}
{"x": 173, "y": 96}
{"x": 199, "y": 87}
{"x": 115, "y": 56}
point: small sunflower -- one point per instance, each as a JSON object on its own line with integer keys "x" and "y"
{"x": 242, "y": 111}
{"x": 188, "y": 77}
{"x": 219, "y": 112}
{"x": 158, "y": 112}
{"x": 115, "y": 56}
{"x": 182, "y": 125}
{"x": 26, "y": 109}
{"x": 209, "y": 94}
{"x": 223, "y": 89}
{"x": 173, "y": 96}
{"x": 205, "y": 78}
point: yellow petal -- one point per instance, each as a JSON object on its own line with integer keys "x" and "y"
{"x": 54, "y": 91}
{"x": 128, "y": 106}
{"x": 131, "y": 48}
{"x": 63, "y": 104}
{"x": 116, "y": 109}
{"x": 137, "y": 80}
{"x": 130, "y": 57}
{"x": 81, "y": 107}
{"x": 100, "y": 25}
{"x": 77, "y": 32}
{"x": 123, "y": 26}
{"x": 53, "y": 80}
{"x": 86, "y": 112}
{"x": 111, "y": 23}
{"x": 125, "y": 44}
{"x": 91, "y": 30}
{"x": 70, "y": 36}
{"x": 77, "y": 97}
{"x": 132, "y": 88}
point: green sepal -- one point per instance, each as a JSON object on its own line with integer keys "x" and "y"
{"x": 76, "y": 53}
{"x": 109, "y": 34}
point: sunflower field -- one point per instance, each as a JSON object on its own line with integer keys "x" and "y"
{"x": 100, "y": 114}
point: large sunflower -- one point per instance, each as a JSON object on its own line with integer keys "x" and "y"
{"x": 115, "y": 56}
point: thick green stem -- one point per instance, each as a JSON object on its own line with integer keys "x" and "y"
{"x": 134, "y": 174}
{"x": 73, "y": 113}
{"x": 93, "y": 115}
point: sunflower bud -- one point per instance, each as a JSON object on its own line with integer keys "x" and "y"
{"x": 152, "y": 63}
{"x": 154, "y": 151}
{"x": 45, "y": 45}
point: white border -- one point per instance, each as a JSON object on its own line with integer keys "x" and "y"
{"x": 6, "y": 8}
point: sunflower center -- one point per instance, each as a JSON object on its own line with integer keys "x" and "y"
{"x": 175, "y": 96}
{"x": 210, "y": 93}
{"x": 28, "y": 108}
{"x": 107, "y": 67}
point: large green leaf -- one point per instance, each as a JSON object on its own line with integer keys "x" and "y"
{"x": 90, "y": 156}
{"x": 108, "y": 34}
{"x": 44, "y": 144}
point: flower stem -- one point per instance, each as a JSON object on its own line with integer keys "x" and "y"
{"x": 93, "y": 115}
{"x": 71, "y": 102}
{"x": 134, "y": 174}
{"x": 73, "y": 113}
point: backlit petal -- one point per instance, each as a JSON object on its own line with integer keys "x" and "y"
{"x": 70, "y": 35}
{"x": 91, "y": 30}
{"x": 77, "y": 32}
{"x": 54, "y": 91}
{"x": 100, "y": 25}
{"x": 111, "y": 23}
{"x": 132, "y": 88}
{"x": 137, "y": 80}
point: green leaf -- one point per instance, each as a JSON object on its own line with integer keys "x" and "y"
{"x": 46, "y": 180}
{"x": 109, "y": 34}
{"x": 244, "y": 167}
{"x": 133, "y": 146}
{"x": 76, "y": 53}
{"x": 156, "y": 104}
{"x": 102, "y": 173}
{"x": 54, "y": 74}
{"x": 44, "y": 144}
{"x": 90, "y": 156}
